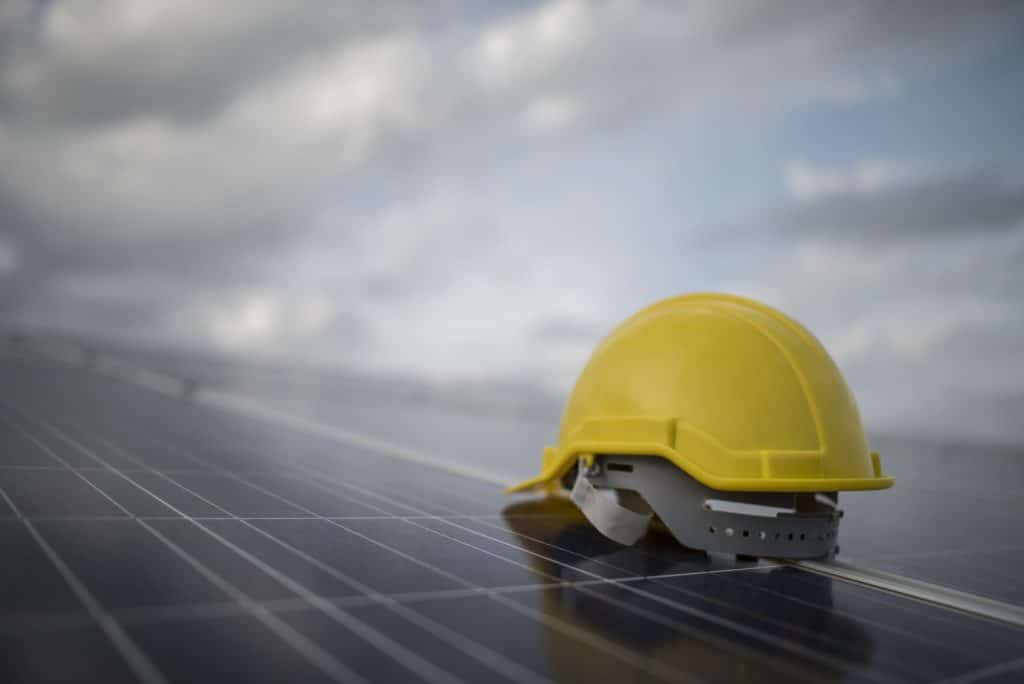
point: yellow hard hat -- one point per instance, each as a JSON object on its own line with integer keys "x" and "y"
{"x": 732, "y": 393}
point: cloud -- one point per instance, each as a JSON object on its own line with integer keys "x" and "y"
{"x": 918, "y": 322}
{"x": 471, "y": 193}
{"x": 570, "y": 330}
{"x": 8, "y": 258}
{"x": 553, "y": 112}
{"x": 895, "y": 201}
{"x": 629, "y": 58}
{"x": 84, "y": 64}
{"x": 809, "y": 182}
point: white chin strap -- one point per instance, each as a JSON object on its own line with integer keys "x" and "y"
{"x": 616, "y": 522}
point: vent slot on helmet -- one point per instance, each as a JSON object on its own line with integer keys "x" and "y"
{"x": 757, "y": 510}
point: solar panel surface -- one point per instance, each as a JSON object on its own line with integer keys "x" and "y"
{"x": 152, "y": 538}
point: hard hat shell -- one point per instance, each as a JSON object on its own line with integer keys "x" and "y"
{"x": 735, "y": 393}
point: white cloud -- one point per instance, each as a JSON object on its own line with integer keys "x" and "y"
{"x": 553, "y": 112}
{"x": 355, "y": 90}
{"x": 858, "y": 88}
{"x": 264, "y": 154}
{"x": 808, "y": 182}
{"x": 265, "y": 176}
{"x": 262, "y": 321}
{"x": 903, "y": 336}
{"x": 243, "y": 324}
{"x": 528, "y": 44}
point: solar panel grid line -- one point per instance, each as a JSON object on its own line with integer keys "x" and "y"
{"x": 310, "y": 517}
{"x": 322, "y": 517}
{"x": 732, "y": 646}
{"x": 758, "y": 635}
{"x": 500, "y": 557}
{"x": 467, "y": 497}
{"x": 63, "y": 462}
{"x": 246, "y": 406}
{"x": 147, "y": 615}
{"x": 528, "y": 568}
{"x": 301, "y": 424}
{"x": 470, "y": 518}
{"x": 163, "y": 443}
{"x": 434, "y": 594}
{"x": 320, "y": 659}
{"x": 657, "y": 669}
{"x": 987, "y": 673}
{"x": 650, "y": 666}
{"x": 997, "y": 570}
{"x": 10, "y": 503}
{"x": 939, "y": 553}
{"x": 136, "y": 660}
{"x": 595, "y": 581}
{"x": 323, "y": 661}
{"x": 601, "y": 562}
{"x": 487, "y": 656}
{"x": 905, "y": 633}
{"x": 412, "y": 661}
{"x": 74, "y": 518}
{"x": 150, "y": 614}
{"x": 139, "y": 663}
{"x": 400, "y": 464}
{"x": 589, "y": 559}
{"x": 47, "y": 622}
{"x": 477, "y": 650}
{"x": 490, "y": 657}
{"x": 281, "y": 470}
{"x": 251, "y": 518}
{"x": 250, "y": 421}
{"x": 921, "y": 591}
{"x": 89, "y": 469}
{"x": 913, "y": 609}
{"x": 17, "y": 468}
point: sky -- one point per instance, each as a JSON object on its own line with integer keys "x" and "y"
{"x": 480, "y": 191}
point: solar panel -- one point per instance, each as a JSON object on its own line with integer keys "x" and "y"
{"x": 151, "y": 538}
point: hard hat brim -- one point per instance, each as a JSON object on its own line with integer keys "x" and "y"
{"x": 763, "y": 471}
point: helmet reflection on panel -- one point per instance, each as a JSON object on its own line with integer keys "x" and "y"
{"x": 684, "y": 631}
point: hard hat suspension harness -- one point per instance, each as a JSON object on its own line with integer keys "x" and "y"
{"x": 803, "y": 525}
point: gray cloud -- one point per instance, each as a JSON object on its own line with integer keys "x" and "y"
{"x": 89, "y": 64}
{"x": 408, "y": 188}
{"x": 900, "y": 209}
{"x": 569, "y": 330}
{"x": 916, "y": 292}
{"x": 932, "y": 207}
